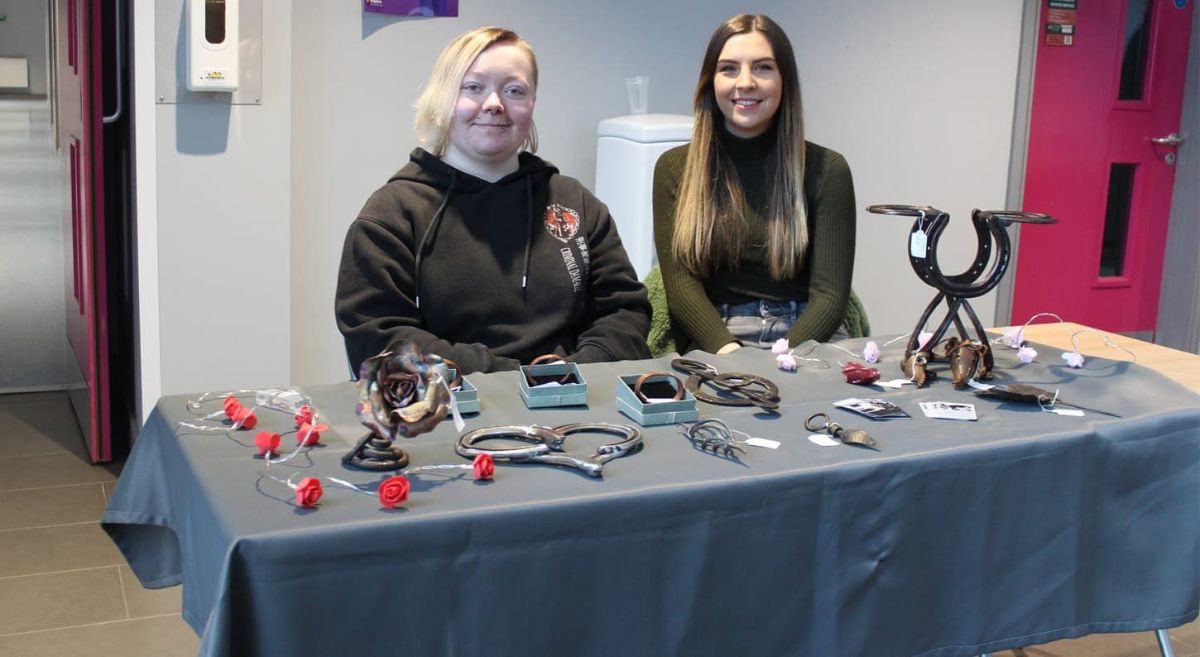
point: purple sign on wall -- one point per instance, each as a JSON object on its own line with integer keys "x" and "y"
{"x": 412, "y": 7}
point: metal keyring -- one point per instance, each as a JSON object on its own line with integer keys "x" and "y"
{"x": 809, "y": 419}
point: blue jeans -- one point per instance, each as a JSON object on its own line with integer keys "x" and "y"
{"x": 761, "y": 323}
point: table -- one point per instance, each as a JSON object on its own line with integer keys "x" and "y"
{"x": 953, "y": 539}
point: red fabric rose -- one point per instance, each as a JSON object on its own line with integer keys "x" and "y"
{"x": 304, "y": 416}
{"x": 860, "y": 374}
{"x": 308, "y": 491}
{"x": 484, "y": 466}
{"x": 231, "y": 406}
{"x": 393, "y": 491}
{"x": 310, "y": 435}
{"x": 245, "y": 417}
{"x": 266, "y": 442}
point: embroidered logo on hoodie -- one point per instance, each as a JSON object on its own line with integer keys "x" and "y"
{"x": 561, "y": 222}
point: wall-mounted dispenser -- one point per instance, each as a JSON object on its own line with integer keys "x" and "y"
{"x": 212, "y": 45}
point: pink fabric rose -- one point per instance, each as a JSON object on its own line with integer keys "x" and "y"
{"x": 780, "y": 346}
{"x": 871, "y": 352}
{"x": 786, "y": 362}
{"x": 1026, "y": 354}
{"x": 1014, "y": 337}
{"x": 1073, "y": 358}
{"x": 923, "y": 339}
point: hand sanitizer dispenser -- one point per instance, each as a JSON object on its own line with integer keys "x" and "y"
{"x": 212, "y": 45}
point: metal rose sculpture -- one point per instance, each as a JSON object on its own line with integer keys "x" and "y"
{"x": 402, "y": 394}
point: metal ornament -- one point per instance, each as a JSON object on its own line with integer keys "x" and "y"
{"x": 713, "y": 434}
{"x": 401, "y": 394}
{"x": 955, "y": 290}
{"x": 547, "y": 444}
{"x": 736, "y": 388}
{"x": 821, "y": 422}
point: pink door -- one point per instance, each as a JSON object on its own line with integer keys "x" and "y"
{"x": 79, "y": 114}
{"x": 1107, "y": 95}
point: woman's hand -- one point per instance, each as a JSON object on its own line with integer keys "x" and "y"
{"x": 731, "y": 347}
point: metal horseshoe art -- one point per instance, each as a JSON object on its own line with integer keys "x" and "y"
{"x": 401, "y": 394}
{"x": 955, "y": 290}
{"x": 733, "y": 388}
{"x": 547, "y": 444}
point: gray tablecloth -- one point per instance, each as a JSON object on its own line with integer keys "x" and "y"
{"x": 954, "y": 538}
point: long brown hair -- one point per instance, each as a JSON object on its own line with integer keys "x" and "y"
{"x": 709, "y": 232}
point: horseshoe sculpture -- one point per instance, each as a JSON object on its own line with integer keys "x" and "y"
{"x": 955, "y": 290}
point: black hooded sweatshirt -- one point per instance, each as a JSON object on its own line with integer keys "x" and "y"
{"x": 490, "y": 275}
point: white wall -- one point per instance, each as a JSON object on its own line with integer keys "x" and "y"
{"x": 214, "y": 226}
{"x": 917, "y": 95}
{"x": 238, "y": 247}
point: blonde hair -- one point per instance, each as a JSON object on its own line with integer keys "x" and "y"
{"x": 709, "y": 232}
{"x": 435, "y": 105}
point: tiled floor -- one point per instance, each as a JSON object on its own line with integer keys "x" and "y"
{"x": 65, "y": 590}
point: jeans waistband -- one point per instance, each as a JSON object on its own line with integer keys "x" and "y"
{"x": 760, "y": 308}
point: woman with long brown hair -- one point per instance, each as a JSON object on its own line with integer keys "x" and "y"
{"x": 754, "y": 226}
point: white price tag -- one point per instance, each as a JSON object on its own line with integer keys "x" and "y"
{"x": 1073, "y": 412}
{"x": 894, "y": 383}
{"x": 823, "y": 440}
{"x": 916, "y": 244}
{"x": 979, "y": 386}
{"x": 763, "y": 442}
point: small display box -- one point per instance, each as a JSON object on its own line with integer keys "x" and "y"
{"x": 656, "y": 403}
{"x": 466, "y": 395}
{"x": 553, "y": 384}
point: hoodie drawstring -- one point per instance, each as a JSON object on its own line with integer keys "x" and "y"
{"x": 433, "y": 226}
{"x": 528, "y": 232}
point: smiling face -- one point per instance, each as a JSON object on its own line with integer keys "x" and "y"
{"x": 493, "y": 113}
{"x": 747, "y": 84}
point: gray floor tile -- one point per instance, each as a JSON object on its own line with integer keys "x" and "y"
{"x": 149, "y": 602}
{"x": 39, "y": 423}
{"x": 42, "y": 507}
{"x": 164, "y": 636}
{"x": 51, "y": 549}
{"x": 59, "y": 600}
{"x": 24, "y": 472}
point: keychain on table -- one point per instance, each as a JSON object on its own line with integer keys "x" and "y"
{"x": 820, "y": 422}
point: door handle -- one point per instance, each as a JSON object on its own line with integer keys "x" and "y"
{"x": 1172, "y": 139}
{"x": 120, "y": 57}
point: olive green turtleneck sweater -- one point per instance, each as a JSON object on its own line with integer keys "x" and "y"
{"x": 823, "y": 280}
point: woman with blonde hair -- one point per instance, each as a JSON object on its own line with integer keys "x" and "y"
{"x": 754, "y": 226}
{"x": 478, "y": 250}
